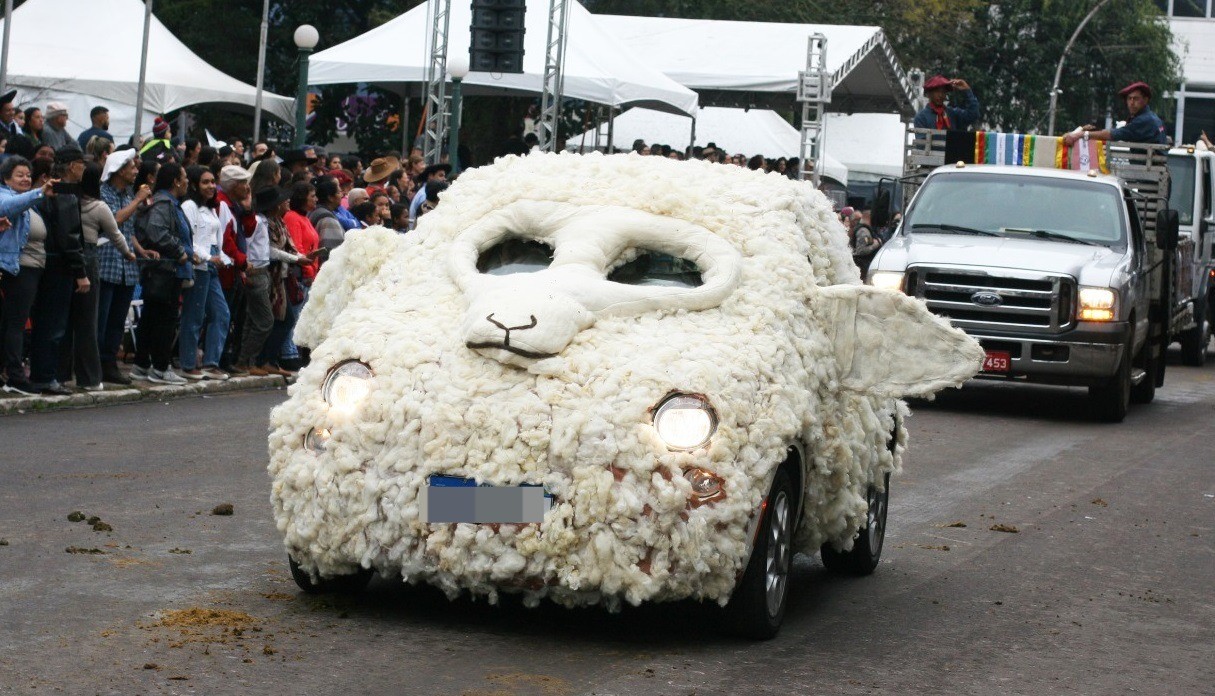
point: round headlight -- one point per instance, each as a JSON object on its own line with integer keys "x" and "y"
{"x": 346, "y": 386}
{"x": 317, "y": 439}
{"x": 685, "y": 421}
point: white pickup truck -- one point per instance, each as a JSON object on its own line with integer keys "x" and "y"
{"x": 1065, "y": 277}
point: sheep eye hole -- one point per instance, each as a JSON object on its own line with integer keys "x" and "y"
{"x": 515, "y": 255}
{"x": 657, "y": 268}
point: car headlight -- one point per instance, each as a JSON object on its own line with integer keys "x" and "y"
{"x": 887, "y": 280}
{"x": 317, "y": 439}
{"x": 685, "y": 421}
{"x": 1097, "y": 304}
{"x": 346, "y": 386}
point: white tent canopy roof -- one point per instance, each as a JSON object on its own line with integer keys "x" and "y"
{"x": 597, "y": 68}
{"x": 750, "y": 132}
{"x": 93, "y": 48}
{"x": 765, "y": 57}
{"x": 871, "y": 144}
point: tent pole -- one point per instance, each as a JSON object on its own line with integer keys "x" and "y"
{"x": 405, "y": 144}
{"x": 692, "y": 140}
{"x": 261, "y": 71}
{"x": 8, "y": 23}
{"x": 611, "y": 148}
{"x": 143, "y": 71}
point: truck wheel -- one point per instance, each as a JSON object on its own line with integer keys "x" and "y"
{"x": 867, "y": 549}
{"x": 1194, "y": 341}
{"x": 339, "y": 584}
{"x": 757, "y": 608}
{"x": 1112, "y": 399}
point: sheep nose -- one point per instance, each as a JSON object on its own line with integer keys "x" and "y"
{"x": 531, "y": 324}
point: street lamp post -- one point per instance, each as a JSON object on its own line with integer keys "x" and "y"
{"x": 1054, "y": 88}
{"x": 457, "y": 67}
{"x": 306, "y": 38}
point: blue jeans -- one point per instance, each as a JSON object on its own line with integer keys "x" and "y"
{"x": 201, "y": 305}
{"x": 289, "y": 350}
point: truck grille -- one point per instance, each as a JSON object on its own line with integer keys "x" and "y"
{"x": 1009, "y": 301}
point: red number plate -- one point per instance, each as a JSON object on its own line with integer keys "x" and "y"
{"x": 997, "y": 361}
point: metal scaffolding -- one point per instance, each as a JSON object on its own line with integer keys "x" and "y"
{"x": 814, "y": 92}
{"x": 554, "y": 80}
{"x": 437, "y": 103}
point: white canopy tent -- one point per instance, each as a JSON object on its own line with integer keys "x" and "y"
{"x": 740, "y": 63}
{"x": 870, "y": 145}
{"x": 597, "y": 68}
{"x": 89, "y": 53}
{"x": 750, "y": 132}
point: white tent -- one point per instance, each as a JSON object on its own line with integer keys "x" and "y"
{"x": 750, "y": 132}
{"x": 597, "y": 68}
{"x": 65, "y": 48}
{"x": 762, "y": 59}
{"x": 870, "y": 145}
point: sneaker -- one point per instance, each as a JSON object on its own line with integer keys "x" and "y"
{"x": 195, "y": 374}
{"x": 113, "y": 375}
{"x": 143, "y": 374}
{"x": 54, "y": 389}
{"x": 167, "y": 376}
{"x": 100, "y": 386}
{"x": 215, "y": 373}
{"x": 20, "y": 388}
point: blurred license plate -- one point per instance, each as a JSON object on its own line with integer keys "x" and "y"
{"x": 450, "y": 499}
{"x": 997, "y": 361}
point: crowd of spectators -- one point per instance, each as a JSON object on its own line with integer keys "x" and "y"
{"x": 785, "y": 166}
{"x": 189, "y": 261}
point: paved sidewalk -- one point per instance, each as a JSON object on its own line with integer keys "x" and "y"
{"x": 138, "y": 391}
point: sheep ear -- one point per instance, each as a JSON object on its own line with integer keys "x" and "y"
{"x": 888, "y": 344}
{"x": 351, "y": 265}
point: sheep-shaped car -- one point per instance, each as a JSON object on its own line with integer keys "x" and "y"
{"x": 602, "y": 378}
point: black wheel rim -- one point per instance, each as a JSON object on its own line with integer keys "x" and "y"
{"x": 776, "y": 568}
{"x": 876, "y": 519}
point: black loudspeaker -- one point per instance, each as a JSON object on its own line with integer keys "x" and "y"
{"x": 496, "y": 43}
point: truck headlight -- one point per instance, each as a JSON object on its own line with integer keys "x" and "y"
{"x": 346, "y": 386}
{"x": 887, "y": 280}
{"x": 1097, "y": 304}
{"x": 685, "y": 421}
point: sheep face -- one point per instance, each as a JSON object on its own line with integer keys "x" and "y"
{"x": 538, "y": 328}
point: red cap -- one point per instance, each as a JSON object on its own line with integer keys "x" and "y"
{"x": 1140, "y": 86}
{"x": 342, "y": 177}
{"x": 936, "y": 82}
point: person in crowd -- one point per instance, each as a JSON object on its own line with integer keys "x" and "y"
{"x": 118, "y": 274}
{"x": 265, "y": 173}
{"x": 940, "y": 115}
{"x": 203, "y": 304}
{"x": 532, "y": 142}
{"x": 100, "y": 116}
{"x": 224, "y": 156}
{"x": 34, "y": 124}
{"x": 160, "y": 147}
{"x": 756, "y": 163}
{"x": 268, "y": 244}
{"x": 433, "y": 173}
{"x": 236, "y": 216}
{"x": 793, "y": 169}
{"x": 8, "y": 114}
{"x": 324, "y": 216}
{"x": 41, "y": 169}
{"x": 161, "y": 229}
{"x": 54, "y": 133}
{"x": 298, "y": 279}
{"x": 238, "y": 148}
{"x": 63, "y": 273}
{"x": 334, "y": 162}
{"x": 22, "y": 259}
{"x": 781, "y": 166}
{"x": 861, "y": 238}
{"x": 79, "y": 354}
{"x": 376, "y": 176}
{"x": 432, "y": 197}
{"x": 207, "y": 157}
{"x": 640, "y": 147}
{"x": 366, "y": 213}
{"x": 383, "y": 206}
{"x": 346, "y": 183}
{"x": 45, "y": 152}
{"x": 1142, "y": 124}
{"x": 415, "y": 165}
{"x": 354, "y": 165}
{"x": 193, "y": 146}
{"x": 299, "y": 160}
{"x": 400, "y": 217}
{"x": 98, "y": 149}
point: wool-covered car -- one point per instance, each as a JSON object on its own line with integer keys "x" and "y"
{"x": 602, "y": 379}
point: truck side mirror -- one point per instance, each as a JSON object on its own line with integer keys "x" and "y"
{"x": 1167, "y": 227}
{"x": 880, "y": 215}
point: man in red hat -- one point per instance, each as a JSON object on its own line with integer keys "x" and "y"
{"x": 940, "y": 115}
{"x": 1142, "y": 125}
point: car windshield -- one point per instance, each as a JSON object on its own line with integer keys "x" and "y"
{"x": 1181, "y": 193}
{"x": 1019, "y": 206}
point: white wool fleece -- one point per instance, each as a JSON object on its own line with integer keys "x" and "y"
{"x": 781, "y": 339}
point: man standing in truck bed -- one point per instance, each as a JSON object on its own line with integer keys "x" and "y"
{"x": 940, "y": 115}
{"x": 1142, "y": 125}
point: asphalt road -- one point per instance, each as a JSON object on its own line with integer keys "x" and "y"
{"x": 1105, "y": 588}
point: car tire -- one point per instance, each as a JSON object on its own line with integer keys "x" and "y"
{"x": 1145, "y": 391}
{"x": 867, "y": 548}
{"x": 338, "y": 584}
{"x": 757, "y": 607}
{"x": 1194, "y": 341}
{"x": 1112, "y": 399}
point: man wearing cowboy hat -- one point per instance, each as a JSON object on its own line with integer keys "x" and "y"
{"x": 435, "y": 172}
{"x": 1142, "y": 126}
{"x": 299, "y": 160}
{"x": 376, "y": 175}
{"x": 939, "y": 115}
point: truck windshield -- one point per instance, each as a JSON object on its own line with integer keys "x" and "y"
{"x": 1181, "y": 193}
{"x": 1009, "y": 205}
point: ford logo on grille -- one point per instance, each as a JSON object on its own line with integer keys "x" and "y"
{"x": 986, "y": 299}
